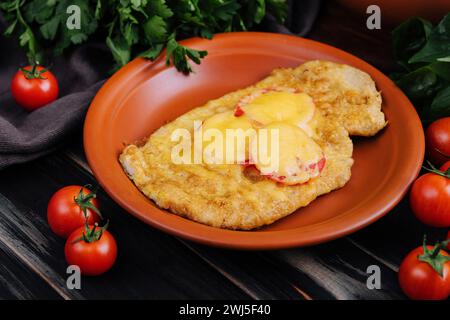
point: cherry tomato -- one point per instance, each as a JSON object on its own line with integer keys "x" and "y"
{"x": 65, "y": 209}
{"x": 430, "y": 200}
{"x": 92, "y": 249}
{"x": 438, "y": 141}
{"x": 445, "y": 166}
{"x": 34, "y": 87}
{"x": 419, "y": 280}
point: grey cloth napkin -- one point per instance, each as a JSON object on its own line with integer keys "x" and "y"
{"x": 26, "y": 136}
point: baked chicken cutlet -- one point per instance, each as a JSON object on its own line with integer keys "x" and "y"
{"x": 315, "y": 108}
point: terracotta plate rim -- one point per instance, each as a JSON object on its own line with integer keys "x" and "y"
{"x": 249, "y": 240}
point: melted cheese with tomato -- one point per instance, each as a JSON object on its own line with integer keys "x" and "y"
{"x": 235, "y": 196}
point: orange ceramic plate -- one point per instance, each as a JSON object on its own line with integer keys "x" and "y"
{"x": 143, "y": 95}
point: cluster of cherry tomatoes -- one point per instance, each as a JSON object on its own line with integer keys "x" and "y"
{"x": 73, "y": 213}
{"x": 425, "y": 272}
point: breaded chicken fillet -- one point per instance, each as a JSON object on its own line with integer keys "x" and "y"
{"x": 235, "y": 197}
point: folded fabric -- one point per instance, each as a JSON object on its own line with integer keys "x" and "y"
{"x": 25, "y": 136}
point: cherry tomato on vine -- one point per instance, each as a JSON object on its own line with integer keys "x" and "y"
{"x": 68, "y": 208}
{"x": 430, "y": 197}
{"x": 93, "y": 249}
{"x": 424, "y": 274}
{"x": 438, "y": 141}
{"x": 33, "y": 87}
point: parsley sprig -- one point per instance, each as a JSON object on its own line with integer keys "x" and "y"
{"x": 133, "y": 28}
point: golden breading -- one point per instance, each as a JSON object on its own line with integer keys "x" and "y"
{"x": 234, "y": 197}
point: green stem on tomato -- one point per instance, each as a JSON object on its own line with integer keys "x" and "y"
{"x": 433, "y": 257}
{"x": 85, "y": 201}
{"x": 435, "y": 170}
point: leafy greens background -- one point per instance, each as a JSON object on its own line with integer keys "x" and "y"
{"x": 423, "y": 52}
{"x": 133, "y": 27}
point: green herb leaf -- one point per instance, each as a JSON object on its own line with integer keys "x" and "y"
{"x": 50, "y": 28}
{"x": 98, "y": 10}
{"x": 160, "y": 8}
{"x": 155, "y": 29}
{"x": 259, "y": 9}
{"x": 153, "y": 52}
{"x": 120, "y": 50}
{"x": 133, "y": 27}
{"x": 409, "y": 38}
{"x": 438, "y": 44}
{"x": 440, "y": 107}
{"x": 10, "y": 28}
{"x": 39, "y": 11}
{"x": 179, "y": 55}
{"x": 421, "y": 83}
{"x": 424, "y": 53}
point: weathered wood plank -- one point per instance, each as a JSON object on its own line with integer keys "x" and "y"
{"x": 251, "y": 272}
{"x": 18, "y": 281}
{"x": 340, "y": 268}
{"x": 393, "y": 236}
{"x": 21, "y": 233}
{"x": 150, "y": 264}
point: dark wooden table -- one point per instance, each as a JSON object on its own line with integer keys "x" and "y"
{"x": 154, "y": 265}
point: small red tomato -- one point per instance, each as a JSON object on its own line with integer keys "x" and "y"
{"x": 430, "y": 199}
{"x": 92, "y": 249}
{"x": 425, "y": 275}
{"x": 67, "y": 208}
{"x": 438, "y": 141}
{"x": 445, "y": 166}
{"x": 33, "y": 87}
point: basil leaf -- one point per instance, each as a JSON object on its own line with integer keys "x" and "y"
{"x": 424, "y": 53}
{"x": 408, "y": 38}
{"x": 440, "y": 107}
{"x": 438, "y": 44}
{"x": 420, "y": 84}
{"x": 441, "y": 68}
